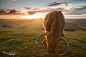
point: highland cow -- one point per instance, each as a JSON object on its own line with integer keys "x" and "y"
{"x": 54, "y": 24}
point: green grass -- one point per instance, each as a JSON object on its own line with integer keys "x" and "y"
{"x": 22, "y": 41}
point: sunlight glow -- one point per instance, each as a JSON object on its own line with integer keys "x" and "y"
{"x": 37, "y": 15}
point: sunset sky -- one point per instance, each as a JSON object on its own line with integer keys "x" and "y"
{"x": 29, "y": 9}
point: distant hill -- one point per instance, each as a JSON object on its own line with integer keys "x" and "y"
{"x": 22, "y": 23}
{"x": 37, "y": 23}
{"x": 75, "y": 23}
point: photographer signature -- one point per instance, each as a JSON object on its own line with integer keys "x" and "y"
{"x": 9, "y": 53}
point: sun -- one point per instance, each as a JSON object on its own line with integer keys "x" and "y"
{"x": 31, "y": 16}
{"x": 28, "y": 16}
{"x": 37, "y": 15}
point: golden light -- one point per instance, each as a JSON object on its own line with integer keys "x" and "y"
{"x": 37, "y": 15}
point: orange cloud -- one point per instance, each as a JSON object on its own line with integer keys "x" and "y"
{"x": 11, "y": 12}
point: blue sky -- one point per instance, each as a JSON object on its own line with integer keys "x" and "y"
{"x": 70, "y": 8}
{"x": 17, "y": 4}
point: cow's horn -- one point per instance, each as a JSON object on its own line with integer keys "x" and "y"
{"x": 61, "y": 38}
{"x": 40, "y": 36}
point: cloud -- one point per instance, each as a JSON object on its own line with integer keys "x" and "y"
{"x": 13, "y": 0}
{"x": 31, "y": 12}
{"x": 71, "y": 10}
{"x": 10, "y": 12}
{"x": 14, "y": 12}
{"x": 54, "y": 9}
{"x": 76, "y": 10}
{"x": 31, "y": 9}
{"x": 2, "y": 11}
{"x": 63, "y": 4}
{"x": 41, "y": 10}
{"x": 79, "y": 7}
{"x": 28, "y": 8}
{"x": 55, "y": 3}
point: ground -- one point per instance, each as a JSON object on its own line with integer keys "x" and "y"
{"x": 22, "y": 41}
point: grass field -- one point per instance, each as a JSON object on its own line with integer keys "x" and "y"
{"x": 22, "y": 41}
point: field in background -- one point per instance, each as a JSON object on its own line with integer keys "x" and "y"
{"x": 37, "y": 23}
{"x": 15, "y": 36}
{"x": 22, "y": 23}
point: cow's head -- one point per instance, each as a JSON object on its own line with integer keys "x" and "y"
{"x": 52, "y": 41}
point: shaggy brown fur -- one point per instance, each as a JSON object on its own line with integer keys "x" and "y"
{"x": 54, "y": 23}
